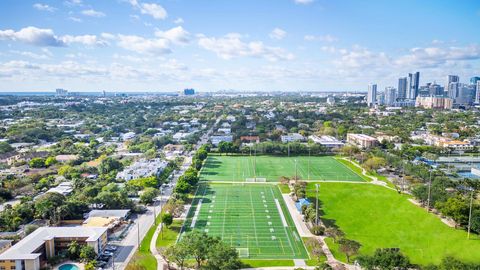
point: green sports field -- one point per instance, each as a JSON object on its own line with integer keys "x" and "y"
{"x": 252, "y": 218}
{"x": 239, "y": 168}
{"x": 381, "y": 218}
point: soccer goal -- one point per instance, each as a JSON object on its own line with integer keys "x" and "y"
{"x": 243, "y": 252}
{"x": 253, "y": 180}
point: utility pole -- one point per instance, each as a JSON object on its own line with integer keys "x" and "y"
{"x": 288, "y": 146}
{"x": 316, "y": 213}
{"x": 138, "y": 233}
{"x": 470, "y": 213}
{"x": 429, "y": 191}
{"x": 154, "y": 213}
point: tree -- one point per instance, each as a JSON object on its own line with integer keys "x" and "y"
{"x": 374, "y": 163}
{"x": 475, "y": 226}
{"x": 73, "y": 250}
{"x": 148, "y": 196}
{"x": 87, "y": 253}
{"x": 50, "y": 161}
{"x": 37, "y": 163}
{"x": 349, "y": 247}
{"x": 46, "y": 206}
{"x": 167, "y": 220}
{"x": 109, "y": 164}
{"x": 385, "y": 259}
{"x": 316, "y": 248}
{"x": 5, "y": 148}
{"x": 199, "y": 244}
{"x": 334, "y": 233}
{"x": 90, "y": 265}
{"x": 178, "y": 254}
{"x": 222, "y": 257}
{"x": 455, "y": 207}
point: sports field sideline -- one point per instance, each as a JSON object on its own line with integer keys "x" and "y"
{"x": 250, "y": 217}
{"x": 239, "y": 168}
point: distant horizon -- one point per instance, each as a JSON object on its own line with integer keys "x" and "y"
{"x": 264, "y": 45}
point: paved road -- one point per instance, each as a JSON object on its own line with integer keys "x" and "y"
{"x": 128, "y": 246}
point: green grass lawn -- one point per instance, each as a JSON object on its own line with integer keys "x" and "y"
{"x": 170, "y": 234}
{"x": 377, "y": 217}
{"x": 143, "y": 257}
{"x": 238, "y": 168}
{"x": 284, "y": 188}
{"x": 266, "y": 263}
{"x": 250, "y": 216}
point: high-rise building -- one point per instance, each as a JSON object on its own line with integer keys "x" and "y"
{"x": 474, "y": 80}
{"x": 390, "y": 95}
{"x": 372, "y": 95}
{"x": 61, "y": 92}
{"x": 466, "y": 94}
{"x": 451, "y": 79}
{"x": 453, "y": 89}
{"x": 477, "y": 93}
{"x": 413, "y": 85}
{"x": 402, "y": 88}
{"x": 189, "y": 92}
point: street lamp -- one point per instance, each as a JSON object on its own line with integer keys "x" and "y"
{"x": 470, "y": 213}
{"x": 429, "y": 191}
{"x": 316, "y": 213}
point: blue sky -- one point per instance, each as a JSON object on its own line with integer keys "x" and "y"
{"x": 294, "y": 45}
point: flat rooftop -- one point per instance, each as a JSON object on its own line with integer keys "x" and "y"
{"x": 25, "y": 248}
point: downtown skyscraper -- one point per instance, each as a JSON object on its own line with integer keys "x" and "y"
{"x": 413, "y": 85}
{"x": 372, "y": 95}
{"x": 402, "y": 88}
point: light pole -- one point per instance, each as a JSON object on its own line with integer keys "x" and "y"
{"x": 138, "y": 233}
{"x": 429, "y": 191}
{"x": 316, "y": 213}
{"x": 308, "y": 169}
{"x": 154, "y": 213}
{"x": 296, "y": 172}
{"x": 470, "y": 213}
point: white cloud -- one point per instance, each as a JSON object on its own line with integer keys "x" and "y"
{"x": 88, "y": 40}
{"x": 303, "y": 2}
{"x": 33, "y": 36}
{"x": 93, "y": 13}
{"x": 152, "y": 9}
{"x": 75, "y": 19}
{"x": 326, "y": 38}
{"x": 144, "y": 45}
{"x": 47, "y": 38}
{"x": 73, "y": 2}
{"x": 44, "y": 7}
{"x": 278, "y": 34}
{"x": 31, "y": 54}
{"x": 231, "y": 45}
{"x": 178, "y": 21}
{"x": 176, "y": 35}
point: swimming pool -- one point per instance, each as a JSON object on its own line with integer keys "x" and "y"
{"x": 68, "y": 266}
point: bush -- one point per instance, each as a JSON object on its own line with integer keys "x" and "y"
{"x": 317, "y": 230}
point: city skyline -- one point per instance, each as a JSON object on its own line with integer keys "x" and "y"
{"x": 290, "y": 45}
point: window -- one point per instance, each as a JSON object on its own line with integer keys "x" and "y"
{"x": 12, "y": 267}
{"x": 2, "y": 267}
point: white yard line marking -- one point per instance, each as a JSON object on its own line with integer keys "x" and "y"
{"x": 282, "y": 217}
{"x": 197, "y": 212}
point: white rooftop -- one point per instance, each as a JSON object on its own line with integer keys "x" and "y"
{"x": 25, "y": 248}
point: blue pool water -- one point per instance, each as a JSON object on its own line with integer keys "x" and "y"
{"x": 68, "y": 266}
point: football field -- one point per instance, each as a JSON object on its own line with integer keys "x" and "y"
{"x": 250, "y": 217}
{"x": 239, "y": 168}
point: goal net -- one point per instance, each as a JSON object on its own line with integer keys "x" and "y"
{"x": 243, "y": 252}
{"x": 253, "y": 180}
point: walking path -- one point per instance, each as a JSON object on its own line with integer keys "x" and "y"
{"x": 375, "y": 180}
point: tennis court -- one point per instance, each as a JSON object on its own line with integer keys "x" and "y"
{"x": 250, "y": 217}
{"x": 239, "y": 168}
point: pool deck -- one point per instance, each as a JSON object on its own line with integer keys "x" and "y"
{"x": 81, "y": 266}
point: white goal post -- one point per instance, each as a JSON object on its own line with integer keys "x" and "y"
{"x": 243, "y": 252}
{"x": 256, "y": 180}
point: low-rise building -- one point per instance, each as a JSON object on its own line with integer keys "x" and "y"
{"x": 33, "y": 251}
{"x": 216, "y": 139}
{"x": 250, "y": 139}
{"x": 361, "y": 140}
{"x": 292, "y": 137}
{"x": 143, "y": 168}
{"x": 329, "y": 142}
